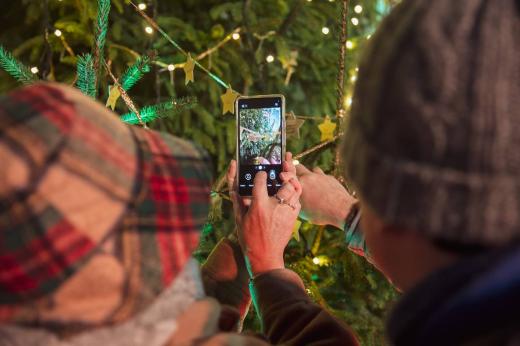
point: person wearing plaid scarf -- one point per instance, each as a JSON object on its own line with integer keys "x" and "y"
{"x": 98, "y": 221}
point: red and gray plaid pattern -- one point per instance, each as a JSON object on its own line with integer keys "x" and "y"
{"x": 96, "y": 218}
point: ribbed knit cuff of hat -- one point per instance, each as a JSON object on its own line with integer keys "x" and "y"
{"x": 441, "y": 203}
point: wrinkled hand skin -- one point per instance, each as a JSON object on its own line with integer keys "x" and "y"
{"x": 324, "y": 200}
{"x": 264, "y": 225}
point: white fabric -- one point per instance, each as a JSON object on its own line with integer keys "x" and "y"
{"x": 152, "y": 327}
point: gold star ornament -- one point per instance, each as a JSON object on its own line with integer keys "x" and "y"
{"x": 228, "y": 101}
{"x": 113, "y": 96}
{"x": 327, "y": 129}
{"x": 189, "y": 66}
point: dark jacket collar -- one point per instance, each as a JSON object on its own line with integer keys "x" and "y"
{"x": 470, "y": 301}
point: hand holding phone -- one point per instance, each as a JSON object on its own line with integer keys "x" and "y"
{"x": 260, "y": 141}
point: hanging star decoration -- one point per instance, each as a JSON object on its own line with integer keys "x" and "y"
{"x": 293, "y": 125}
{"x": 189, "y": 66}
{"x": 296, "y": 230}
{"x": 289, "y": 64}
{"x": 327, "y": 129}
{"x": 228, "y": 101}
{"x": 113, "y": 96}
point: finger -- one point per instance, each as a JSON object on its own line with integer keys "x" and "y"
{"x": 290, "y": 178}
{"x": 318, "y": 170}
{"x": 288, "y": 165}
{"x": 288, "y": 156}
{"x": 286, "y": 176}
{"x": 238, "y": 204}
{"x": 286, "y": 192}
{"x": 260, "y": 187}
{"x": 297, "y": 186}
{"x": 301, "y": 170}
{"x": 232, "y": 175}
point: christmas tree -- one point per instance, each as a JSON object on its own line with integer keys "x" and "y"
{"x": 151, "y": 60}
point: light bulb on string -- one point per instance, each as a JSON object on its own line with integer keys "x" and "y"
{"x": 171, "y": 67}
{"x": 269, "y": 58}
{"x": 358, "y": 9}
{"x": 35, "y": 70}
{"x": 349, "y": 44}
{"x": 57, "y": 32}
{"x": 355, "y": 21}
{"x": 235, "y": 36}
{"x": 325, "y": 30}
{"x": 316, "y": 260}
{"x": 142, "y": 6}
{"x": 148, "y": 30}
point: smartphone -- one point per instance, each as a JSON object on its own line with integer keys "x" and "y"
{"x": 260, "y": 141}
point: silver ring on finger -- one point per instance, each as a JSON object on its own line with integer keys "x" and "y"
{"x": 280, "y": 199}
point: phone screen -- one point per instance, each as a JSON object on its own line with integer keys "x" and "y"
{"x": 260, "y": 141}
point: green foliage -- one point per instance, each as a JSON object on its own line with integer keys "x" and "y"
{"x": 101, "y": 30}
{"x": 349, "y": 286}
{"x": 135, "y": 72}
{"x": 162, "y": 110}
{"x": 15, "y": 68}
{"x": 86, "y": 75}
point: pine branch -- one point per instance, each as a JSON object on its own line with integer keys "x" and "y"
{"x": 291, "y": 17}
{"x": 135, "y": 72}
{"x": 86, "y": 75}
{"x": 101, "y": 33}
{"x": 15, "y": 68}
{"x": 161, "y": 110}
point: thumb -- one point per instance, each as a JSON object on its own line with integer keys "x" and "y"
{"x": 318, "y": 170}
{"x": 260, "y": 188}
{"x": 301, "y": 170}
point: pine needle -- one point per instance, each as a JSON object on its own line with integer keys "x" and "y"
{"x": 86, "y": 75}
{"x": 101, "y": 34}
{"x": 15, "y": 68}
{"x": 161, "y": 110}
{"x": 135, "y": 72}
{"x": 101, "y": 30}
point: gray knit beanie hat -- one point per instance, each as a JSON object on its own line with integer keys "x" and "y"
{"x": 433, "y": 142}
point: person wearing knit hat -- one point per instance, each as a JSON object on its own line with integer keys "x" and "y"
{"x": 431, "y": 149}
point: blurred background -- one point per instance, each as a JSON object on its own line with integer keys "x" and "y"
{"x": 257, "y": 47}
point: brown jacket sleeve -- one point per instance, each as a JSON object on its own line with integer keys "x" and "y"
{"x": 225, "y": 277}
{"x": 290, "y": 317}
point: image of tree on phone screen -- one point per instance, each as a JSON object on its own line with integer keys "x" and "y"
{"x": 260, "y": 136}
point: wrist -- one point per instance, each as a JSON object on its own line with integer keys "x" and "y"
{"x": 344, "y": 209}
{"x": 257, "y": 266}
